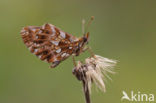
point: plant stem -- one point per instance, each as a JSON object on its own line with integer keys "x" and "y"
{"x": 86, "y": 91}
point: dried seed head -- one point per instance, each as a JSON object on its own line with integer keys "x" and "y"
{"x": 95, "y": 70}
{"x": 98, "y": 69}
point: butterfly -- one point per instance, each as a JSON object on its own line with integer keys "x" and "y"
{"x": 51, "y": 44}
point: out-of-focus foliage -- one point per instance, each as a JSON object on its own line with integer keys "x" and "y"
{"x": 122, "y": 30}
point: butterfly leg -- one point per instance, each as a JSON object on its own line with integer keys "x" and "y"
{"x": 74, "y": 61}
{"x": 89, "y": 50}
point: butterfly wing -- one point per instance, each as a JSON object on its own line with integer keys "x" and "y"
{"x": 49, "y": 43}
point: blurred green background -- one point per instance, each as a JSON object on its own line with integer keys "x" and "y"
{"x": 124, "y": 30}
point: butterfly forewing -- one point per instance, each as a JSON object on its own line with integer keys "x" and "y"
{"x": 49, "y": 43}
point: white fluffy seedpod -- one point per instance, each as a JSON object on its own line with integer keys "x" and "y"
{"x": 94, "y": 70}
{"x": 98, "y": 67}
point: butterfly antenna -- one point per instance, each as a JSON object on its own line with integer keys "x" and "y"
{"x": 89, "y": 23}
{"x": 83, "y": 26}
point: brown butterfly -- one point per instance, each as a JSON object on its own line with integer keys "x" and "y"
{"x": 52, "y": 44}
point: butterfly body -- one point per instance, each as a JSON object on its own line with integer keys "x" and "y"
{"x": 52, "y": 44}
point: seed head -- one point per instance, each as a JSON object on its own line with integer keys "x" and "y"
{"x": 94, "y": 70}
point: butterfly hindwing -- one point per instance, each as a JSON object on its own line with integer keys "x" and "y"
{"x": 49, "y": 43}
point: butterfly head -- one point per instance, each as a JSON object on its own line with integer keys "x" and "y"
{"x": 81, "y": 44}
